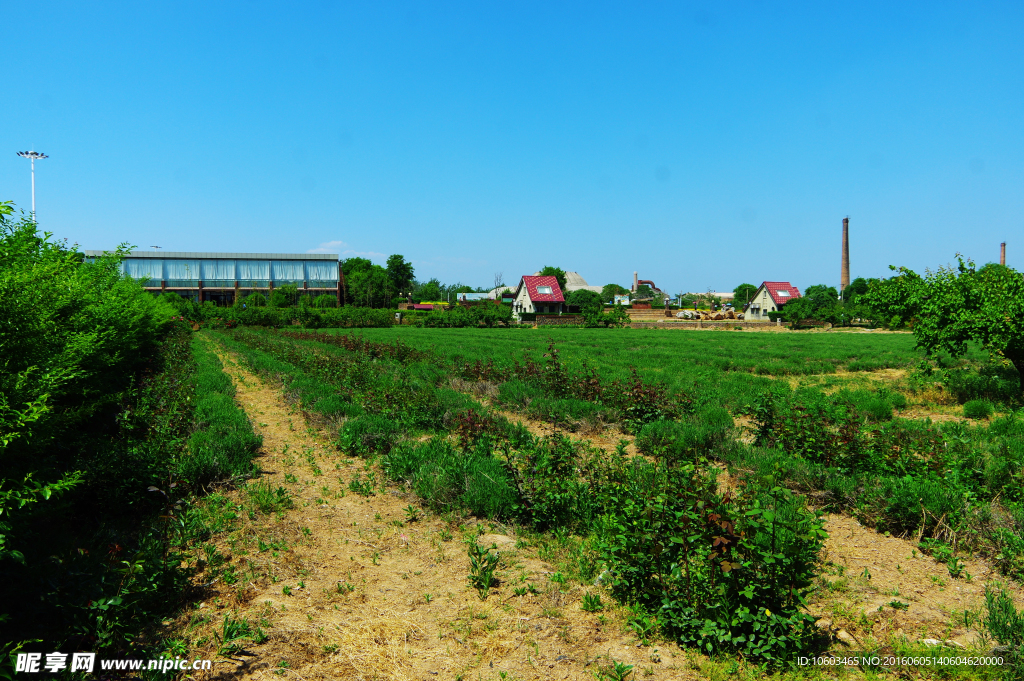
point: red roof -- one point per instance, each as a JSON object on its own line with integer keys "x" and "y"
{"x": 775, "y": 286}
{"x": 531, "y": 283}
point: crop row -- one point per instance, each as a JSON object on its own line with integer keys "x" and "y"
{"x": 720, "y": 571}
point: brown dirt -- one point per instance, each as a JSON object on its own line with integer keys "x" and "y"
{"x": 385, "y": 628}
{"x": 866, "y": 571}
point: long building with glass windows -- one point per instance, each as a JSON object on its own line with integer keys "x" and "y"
{"x": 223, "y": 278}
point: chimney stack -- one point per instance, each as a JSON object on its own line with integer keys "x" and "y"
{"x": 1002, "y": 253}
{"x": 844, "y": 275}
{"x": 634, "y": 282}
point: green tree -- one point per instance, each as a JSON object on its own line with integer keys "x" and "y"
{"x": 952, "y": 307}
{"x": 589, "y": 302}
{"x": 643, "y": 292}
{"x": 433, "y": 290}
{"x": 556, "y": 272}
{"x": 400, "y": 273}
{"x": 609, "y": 292}
{"x": 743, "y": 294}
{"x": 855, "y": 289}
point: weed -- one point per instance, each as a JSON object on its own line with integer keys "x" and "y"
{"x": 482, "y": 564}
{"x": 412, "y": 514}
{"x": 591, "y": 603}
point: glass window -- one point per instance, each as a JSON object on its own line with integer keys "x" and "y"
{"x": 544, "y": 290}
{"x": 782, "y": 294}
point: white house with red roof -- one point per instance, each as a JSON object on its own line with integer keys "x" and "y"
{"x": 540, "y": 295}
{"x": 771, "y": 296}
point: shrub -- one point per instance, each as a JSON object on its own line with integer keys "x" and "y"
{"x": 722, "y": 574}
{"x": 224, "y": 444}
{"x": 325, "y": 301}
{"x": 518, "y": 394}
{"x": 255, "y": 299}
{"x": 369, "y": 435}
{"x": 685, "y": 440}
{"x": 570, "y": 413}
{"x": 448, "y": 479}
{"x": 978, "y": 409}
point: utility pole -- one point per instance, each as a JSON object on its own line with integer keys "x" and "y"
{"x": 32, "y": 156}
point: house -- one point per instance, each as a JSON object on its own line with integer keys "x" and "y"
{"x": 540, "y": 295}
{"x": 771, "y": 296}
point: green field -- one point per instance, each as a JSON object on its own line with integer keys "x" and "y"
{"x": 726, "y": 367}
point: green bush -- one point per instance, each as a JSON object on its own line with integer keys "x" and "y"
{"x": 978, "y": 409}
{"x": 570, "y": 413}
{"x": 254, "y": 299}
{"x": 685, "y": 440}
{"x": 518, "y": 394}
{"x": 325, "y": 301}
{"x": 719, "y": 573}
{"x": 223, "y": 445}
{"x": 368, "y": 435}
{"x": 449, "y": 479}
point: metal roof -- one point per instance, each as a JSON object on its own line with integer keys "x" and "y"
{"x": 531, "y": 284}
{"x": 773, "y": 288}
{"x": 222, "y": 256}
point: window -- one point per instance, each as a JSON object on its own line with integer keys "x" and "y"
{"x": 782, "y": 294}
{"x": 544, "y": 290}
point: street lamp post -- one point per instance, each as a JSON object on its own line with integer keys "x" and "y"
{"x": 32, "y": 156}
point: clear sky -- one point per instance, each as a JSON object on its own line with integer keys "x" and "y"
{"x": 702, "y": 144}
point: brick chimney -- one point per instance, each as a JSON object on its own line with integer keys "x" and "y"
{"x": 844, "y": 275}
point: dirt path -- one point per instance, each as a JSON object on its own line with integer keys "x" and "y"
{"x": 373, "y": 596}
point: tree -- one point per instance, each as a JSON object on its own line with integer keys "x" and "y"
{"x": 430, "y": 291}
{"x": 644, "y": 292}
{"x": 589, "y": 302}
{"x": 609, "y": 292}
{"x": 557, "y": 273}
{"x": 400, "y": 273}
{"x": 822, "y": 297}
{"x": 743, "y": 294}
{"x": 952, "y": 307}
{"x": 855, "y": 289}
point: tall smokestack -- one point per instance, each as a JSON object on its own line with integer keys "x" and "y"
{"x": 844, "y": 275}
{"x": 634, "y": 281}
{"x": 1002, "y": 253}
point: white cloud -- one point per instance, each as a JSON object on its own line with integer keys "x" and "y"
{"x": 365, "y": 254}
{"x": 342, "y": 248}
{"x": 329, "y": 247}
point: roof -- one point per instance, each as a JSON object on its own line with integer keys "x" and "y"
{"x": 573, "y": 281}
{"x": 221, "y": 256}
{"x": 788, "y": 291}
{"x": 532, "y": 282}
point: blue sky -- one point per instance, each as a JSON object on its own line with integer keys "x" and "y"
{"x": 702, "y": 144}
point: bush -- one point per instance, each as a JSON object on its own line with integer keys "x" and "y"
{"x": 685, "y": 440}
{"x": 224, "y": 444}
{"x": 978, "y": 409}
{"x": 369, "y": 435}
{"x": 724, "y": 574}
{"x": 448, "y": 479}
{"x": 570, "y": 413}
